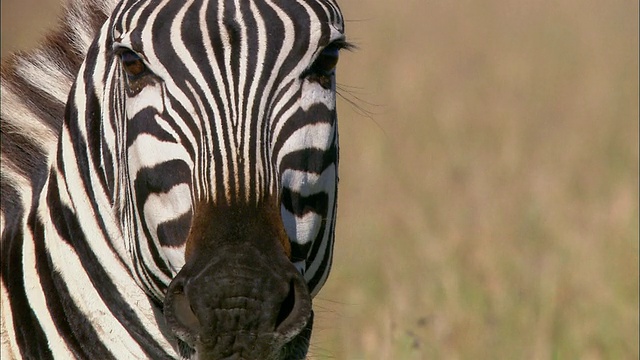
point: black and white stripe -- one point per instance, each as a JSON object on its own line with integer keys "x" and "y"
{"x": 102, "y": 170}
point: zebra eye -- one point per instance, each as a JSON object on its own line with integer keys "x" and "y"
{"x": 328, "y": 59}
{"x": 132, "y": 63}
{"x": 321, "y": 71}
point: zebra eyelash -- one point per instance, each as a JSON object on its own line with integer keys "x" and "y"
{"x": 323, "y": 67}
{"x": 342, "y": 44}
{"x": 333, "y": 49}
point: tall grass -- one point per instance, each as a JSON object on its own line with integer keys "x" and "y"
{"x": 489, "y": 207}
{"x": 489, "y": 210}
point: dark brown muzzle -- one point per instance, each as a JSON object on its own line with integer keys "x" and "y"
{"x": 239, "y": 296}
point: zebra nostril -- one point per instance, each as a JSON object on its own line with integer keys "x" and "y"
{"x": 184, "y": 313}
{"x": 295, "y": 309}
{"x": 180, "y": 315}
{"x": 287, "y": 305}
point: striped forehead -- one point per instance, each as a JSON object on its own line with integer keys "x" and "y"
{"x": 226, "y": 23}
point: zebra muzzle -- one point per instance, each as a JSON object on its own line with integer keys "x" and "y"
{"x": 229, "y": 309}
{"x": 240, "y": 298}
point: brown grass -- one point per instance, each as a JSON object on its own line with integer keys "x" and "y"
{"x": 489, "y": 209}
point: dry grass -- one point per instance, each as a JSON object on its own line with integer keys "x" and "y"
{"x": 489, "y": 210}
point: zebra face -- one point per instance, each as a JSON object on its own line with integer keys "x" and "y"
{"x": 227, "y": 198}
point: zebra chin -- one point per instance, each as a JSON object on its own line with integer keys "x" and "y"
{"x": 238, "y": 295}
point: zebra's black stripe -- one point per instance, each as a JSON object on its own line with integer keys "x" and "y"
{"x": 66, "y": 224}
{"x": 29, "y": 335}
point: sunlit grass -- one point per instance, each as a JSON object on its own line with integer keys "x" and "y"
{"x": 491, "y": 209}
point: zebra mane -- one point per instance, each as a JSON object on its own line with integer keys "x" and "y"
{"x": 34, "y": 89}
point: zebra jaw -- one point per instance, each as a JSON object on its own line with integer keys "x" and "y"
{"x": 239, "y": 294}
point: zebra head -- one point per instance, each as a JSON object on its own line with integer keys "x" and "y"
{"x": 219, "y": 152}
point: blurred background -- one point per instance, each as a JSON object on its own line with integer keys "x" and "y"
{"x": 489, "y": 179}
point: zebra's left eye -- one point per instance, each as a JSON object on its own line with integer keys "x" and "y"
{"x": 328, "y": 59}
{"x": 322, "y": 69}
{"x": 132, "y": 63}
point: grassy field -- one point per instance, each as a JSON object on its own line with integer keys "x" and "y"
{"x": 489, "y": 203}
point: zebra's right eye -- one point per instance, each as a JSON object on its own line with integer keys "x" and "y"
{"x": 132, "y": 63}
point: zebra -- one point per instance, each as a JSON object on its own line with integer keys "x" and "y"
{"x": 169, "y": 180}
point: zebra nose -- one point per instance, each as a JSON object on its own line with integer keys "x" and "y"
{"x": 179, "y": 314}
{"x": 295, "y": 310}
{"x": 224, "y": 309}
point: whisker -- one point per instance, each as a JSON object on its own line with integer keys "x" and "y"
{"x": 355, "y": 101}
